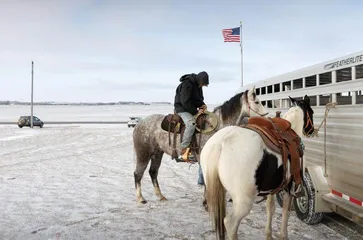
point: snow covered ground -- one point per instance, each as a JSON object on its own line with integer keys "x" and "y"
{"x": 76, "y": 182}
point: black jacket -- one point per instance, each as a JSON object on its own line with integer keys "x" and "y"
{"x": 188, "y": 96}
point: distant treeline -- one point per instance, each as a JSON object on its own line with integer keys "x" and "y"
{"x": 80, "y": 103}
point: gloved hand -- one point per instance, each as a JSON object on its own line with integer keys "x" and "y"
{"x": 202, "y": 109}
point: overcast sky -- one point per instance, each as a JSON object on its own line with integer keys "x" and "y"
{"x": 103, "y": 50}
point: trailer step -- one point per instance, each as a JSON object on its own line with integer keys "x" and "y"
{"x": 345, "y": 208}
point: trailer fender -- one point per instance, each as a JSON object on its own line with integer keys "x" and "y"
{"x": 321, "y": 187}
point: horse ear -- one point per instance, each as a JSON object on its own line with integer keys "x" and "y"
{"x": 293, "y": 101}
{"x": 307, "y": 99}
{"x": 252, "y": 93}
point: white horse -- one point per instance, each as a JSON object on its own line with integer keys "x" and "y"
{"x": 237, "y": 160}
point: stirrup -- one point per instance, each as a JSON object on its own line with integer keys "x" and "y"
{"x": 296, "y": 192}
{"x": 187, "y": 156}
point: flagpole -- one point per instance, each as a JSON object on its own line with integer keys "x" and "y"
{"x": 31, "y": 108}
{"x": 240, "y": 32}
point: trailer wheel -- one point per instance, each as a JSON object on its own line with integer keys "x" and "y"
{"x": 304, "y": 206}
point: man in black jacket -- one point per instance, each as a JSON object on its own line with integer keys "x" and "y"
{"x": 188, "y": 102}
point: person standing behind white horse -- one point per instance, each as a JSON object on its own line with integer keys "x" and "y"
{"x": 188, "y": 102}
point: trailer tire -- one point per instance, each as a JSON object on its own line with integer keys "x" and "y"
{"x": 305, "y": 205}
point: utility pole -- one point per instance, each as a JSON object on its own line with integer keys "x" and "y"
{"x": 31, "y": 117}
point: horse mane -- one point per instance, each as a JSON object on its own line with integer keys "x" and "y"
{"x": 228, "y": 108}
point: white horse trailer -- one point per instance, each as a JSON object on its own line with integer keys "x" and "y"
{"x": 333, "y": 160}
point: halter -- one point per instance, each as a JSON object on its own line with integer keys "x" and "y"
{"x": 250, "y": 109}
{"x": 241, "y": 116}
{"x": 308, "y": 121}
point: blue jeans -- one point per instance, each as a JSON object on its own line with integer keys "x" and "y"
{"x": 200, "y": 176}
{"x": 189, "y": 122}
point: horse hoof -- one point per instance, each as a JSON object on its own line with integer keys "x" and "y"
{"x": 163, "y": 199}
{"x": 269, "y": 237}
{"x": 205, "y": 205}
{"x": 143, "y": 201}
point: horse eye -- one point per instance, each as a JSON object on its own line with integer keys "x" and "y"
{"x": 257, "y": 102}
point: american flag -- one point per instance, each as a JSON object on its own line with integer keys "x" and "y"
{"x": 231, "y": 34}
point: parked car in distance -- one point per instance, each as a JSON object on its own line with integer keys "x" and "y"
{"x": 133, "y": 121}
{"x": 24, "y": 121}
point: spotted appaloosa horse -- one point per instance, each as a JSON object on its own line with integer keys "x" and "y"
{"x": 237, "y": 160}
{"x": 151, "y": 142}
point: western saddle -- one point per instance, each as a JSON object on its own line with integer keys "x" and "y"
{"x": 173, "y": 123}
{"x": 278, "y": 136}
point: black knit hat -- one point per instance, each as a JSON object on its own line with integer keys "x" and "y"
{"x": 203, "y": 78}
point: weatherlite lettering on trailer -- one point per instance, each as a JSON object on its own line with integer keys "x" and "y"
{"x": 344, "y": 62}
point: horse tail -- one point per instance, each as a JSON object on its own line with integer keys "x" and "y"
{"x": 216, "y": 195}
